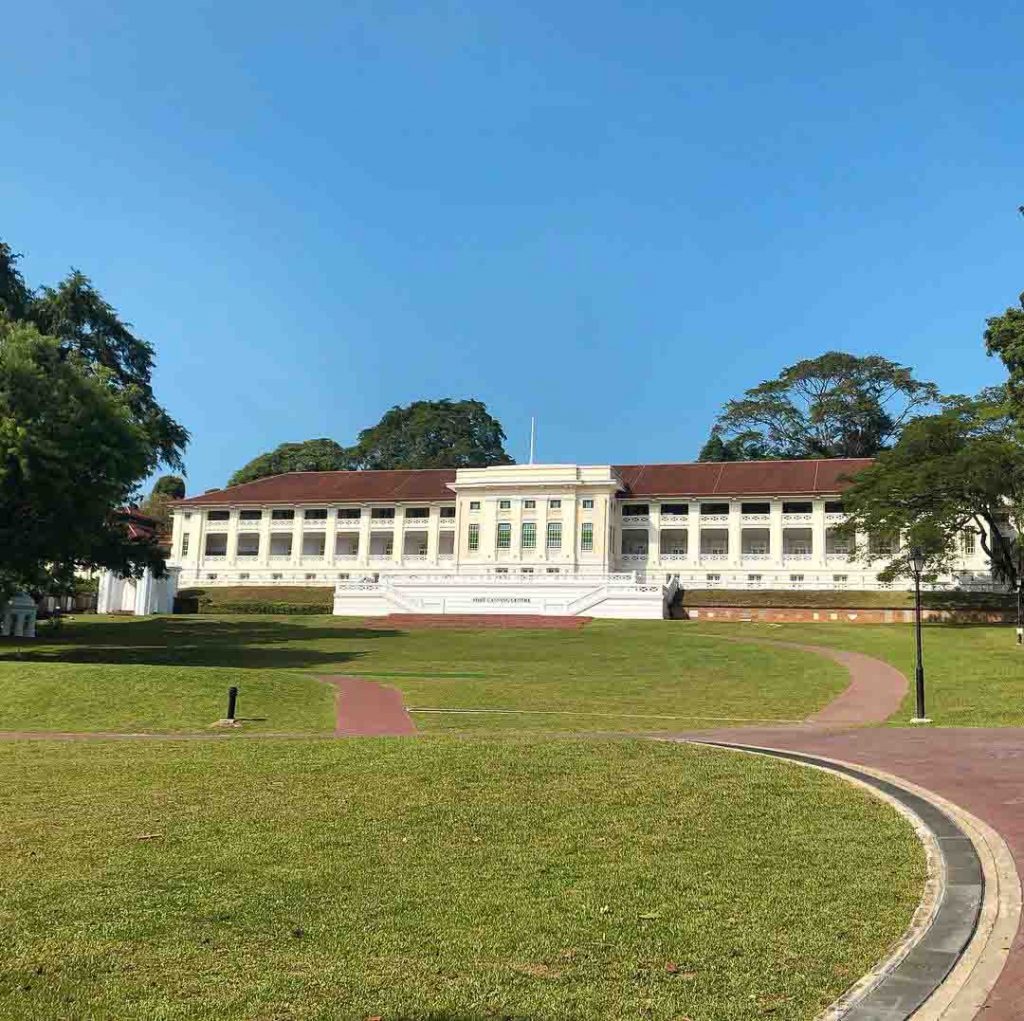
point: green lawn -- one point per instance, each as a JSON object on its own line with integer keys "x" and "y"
{"x": 440, "y": 878}
{"x": 974, "y": 675}
{"x": 171, "y": 674}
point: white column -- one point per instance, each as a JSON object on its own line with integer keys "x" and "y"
{"x": 818, "y": 534}
{"x": 735, "y": 534}
{"x": 365, "y": 525}
{"x": 263, "y": 560}
{"x": 775, "y": 533}
{"x": 330, "y": 536}
{"x": 297, "y": 528}
{"x": 654, "y": 534}
{"x": 693, "y": 535}
{"x": 398, "y": 541}
{"x": 232, "y": 542}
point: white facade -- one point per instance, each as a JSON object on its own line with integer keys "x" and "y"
{"x": 528, "y": 523}
{"x": 138, "y": 596}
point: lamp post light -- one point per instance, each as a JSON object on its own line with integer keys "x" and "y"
{"x": 917, "y": 562}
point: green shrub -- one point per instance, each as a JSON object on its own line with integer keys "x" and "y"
{"x": 286, "y": 599}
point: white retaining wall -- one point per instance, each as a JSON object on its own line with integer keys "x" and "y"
{"x": 613, "y": 596}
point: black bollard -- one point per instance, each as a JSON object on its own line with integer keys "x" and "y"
{"x": 232, "y": 699}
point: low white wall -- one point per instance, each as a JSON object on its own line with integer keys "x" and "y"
{"x": 611, "y": 597}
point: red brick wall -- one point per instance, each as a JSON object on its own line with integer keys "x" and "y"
{"x": 799, "y": 615}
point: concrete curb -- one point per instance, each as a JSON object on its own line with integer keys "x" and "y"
{"x": 951, "y": 955}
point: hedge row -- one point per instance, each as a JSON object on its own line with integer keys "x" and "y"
{"x": 266, "y": 599}
{"x": 844, "y": 599}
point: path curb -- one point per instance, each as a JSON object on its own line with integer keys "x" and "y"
{"x": 959, "y": 940}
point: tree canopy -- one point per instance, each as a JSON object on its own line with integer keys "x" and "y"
{"x": 71, "y": 453}
{"x": 434, "y": 434}
{"x": 309, "y": 456}
{"x": 82, "y": 321}
{"x": 835, "y": 405}
{"x": 1004, "y": 337}
{"x": 959, "y": 471}
{"x": 158, "y": 504}
{"x": 80, "y": 428}
{"x": 424, "y": 434}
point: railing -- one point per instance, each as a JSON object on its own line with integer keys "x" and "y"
{"x": 796, "y": 557}
{"x": 314, "y": 523}
{"x": 673, "y": 556}
{"x": 347, "y": 557}
{"x": 381, "y": 556}
{"x": 311, "y": 558}
{"x": 636, "y": 519}
{"x": 714, "y": 556}
{"x": 788, "y": 519}
{"x": 835, "y": 519}
{"x": 445, "y": 556}
{"x": 421, "y": 523}
{"x": 838, "y": 554}
{"x": 758, "y": 519}
{"x": 675, "y": 519}
{"x": 714, "y": 519}
{"x": 414, "y": 558}
{"x": 248, "y": 553}
{"x": 280, "y": 558}
{"x": 282, "y": 524}
{"x": 755, "y": 556}
{"x": 214, "y": 558}
{"x": 634, "y": 558}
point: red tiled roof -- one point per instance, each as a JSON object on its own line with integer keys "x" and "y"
{"x": 731, "y": 478}
{"x": 740, "y": 478}
{"x": 335, "y": 487}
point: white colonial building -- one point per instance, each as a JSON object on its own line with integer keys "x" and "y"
{"x": 605, "y": 540}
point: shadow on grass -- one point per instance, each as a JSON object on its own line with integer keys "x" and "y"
{"x": 190, "y": 641}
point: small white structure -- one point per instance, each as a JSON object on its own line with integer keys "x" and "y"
{"x": 140, "y": 596}
{"x": 18, "y": 618}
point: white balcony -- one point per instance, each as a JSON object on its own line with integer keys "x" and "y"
{"x": 315, "y": 524}
{"x": 214, "y": 558}
{"x": 311, "y": 558}
{"x": 755, "y": 519}
{"x": 445, "y": 557}
{"x": 793, "y": 558}
{"x": 348, "y": 558}
{"x": 756, "y": 557}
{"x": 714, "y": 519}
{"x": 378, "y": 557}
{"x": 636, "y": 519}
{"x": 280, "y": 558}
{"x": 793, "y": 519}
{"x": 674, "y": 556}
{"x": 415, "y": 558}
{"x": 834, "y": 519}
{"x": 421, "y": 523}
{"x": 675, "y": 519}
{"x": 281, "y": 524}
{"x": 633, "y": 558}
{"x": 713, "y": 557}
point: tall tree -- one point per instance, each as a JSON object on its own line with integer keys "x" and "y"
{"x": 71, "y": 452}
{"x": 424, "y": 434}
{"x": 321, "y": 455}
{"x": 434, "y": 434}
{"x": 157, "y": 505}
{"x": 1004, "y": 336}
{"x": 742, "y": 447}
{"x": 953, "y": 474}
{"x": 85, "y": 324}
{"x": 835, "y": 405}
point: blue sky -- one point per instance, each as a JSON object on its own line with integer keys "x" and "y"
{"x": 614, "y": 216}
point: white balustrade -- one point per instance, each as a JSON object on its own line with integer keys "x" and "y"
{"x": 714, "y": 519}
{"x": 636, "y": 519}
{"x": 755, "y": 519}
{"x": 789, "y": 519}
{"x": 675, "y": 519}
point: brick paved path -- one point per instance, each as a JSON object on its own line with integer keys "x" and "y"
{"x": 980, "y": 770}
{"x": 365, "y": 708}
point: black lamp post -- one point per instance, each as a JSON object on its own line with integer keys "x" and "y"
{"x": 917, "y": 562}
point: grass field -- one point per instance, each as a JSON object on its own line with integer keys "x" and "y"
{"x": 974, "y": 676}
{"x": 171, "y": 674}
{"x": 450, "y": 879}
